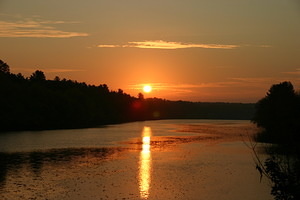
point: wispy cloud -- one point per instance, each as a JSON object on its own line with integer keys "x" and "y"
{"x": 258, "y": 45}
{"x": 166, "y": 87}
{"x": 57, "y": 70}
{"x": 253, "y": 80}
{"x": 184, "y": 87}
{"x": 35, "y": 28}
{"x": 48, "y": 70}
{"x": 296, "y": 72}
{"x": 235, "y": 89}
{"x": 108, "y": 46}
{"x": 265, "y": 46}
{"x": 238, "y": 82}
{"x": 160, "y": 44}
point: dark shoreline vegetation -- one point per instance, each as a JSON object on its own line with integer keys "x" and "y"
{"x": 35, "y": 103}
{"x": 278, "y": 113}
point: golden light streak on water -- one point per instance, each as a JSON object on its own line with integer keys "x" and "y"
{"x": 145, "y": 164}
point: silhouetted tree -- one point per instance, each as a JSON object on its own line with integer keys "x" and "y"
{"x": 282, "y": 168}
{"x": 4, "y": 67}
{"x": 284, "y": 174}
{"x": 140, "y": 96}
{"x": 38, "y": 76}
{"x": 278, "y": 113}
{"x": 56, "y": 78}
{"x": 120, "y": 91}
{"x": 20, "y": 76}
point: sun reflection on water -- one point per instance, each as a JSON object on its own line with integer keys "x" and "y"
{"x": 145, "y": 164}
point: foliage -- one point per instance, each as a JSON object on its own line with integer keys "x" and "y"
{"x": 35, "y": 103}
{"x": 38, "y": 76}
{"x": 4, "y": 67}
{"x": 284, "y": 175}
{"x": 282, "y": 168}
{"x": 279, "y": 114}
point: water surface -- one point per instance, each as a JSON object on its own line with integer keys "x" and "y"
{"x": 167, "y": 159}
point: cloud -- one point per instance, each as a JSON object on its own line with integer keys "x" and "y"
{"x": 160, "y": 44}
{"x": 296, "y": 72}
{"x": 56, "y": 70}
{"x": 48, "y": 70}
{"x": 265, "y": 46}
{"x": 184, "y": 88}
{"x": 108, "y": 46}
{"x": 35, "y": 28}
{"x": 238, "y": 82}
{"x": 253, "y": 80}
{"x": 235, "y": 89}
{"x": 258, "y": 46}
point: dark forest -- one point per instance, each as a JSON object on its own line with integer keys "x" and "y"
{"x": 35, "y": 103}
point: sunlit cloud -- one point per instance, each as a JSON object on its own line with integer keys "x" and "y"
{"x": 35, "y": 28}
{"x": 160, "y": 44}
{"x": 108, "y": 46}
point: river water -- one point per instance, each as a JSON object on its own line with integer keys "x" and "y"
{"x": 165, "y": 159}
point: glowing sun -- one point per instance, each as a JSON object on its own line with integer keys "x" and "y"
{"x": 147, "y": 88}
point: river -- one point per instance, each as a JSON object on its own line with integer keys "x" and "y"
{"x": 164, "y": 159}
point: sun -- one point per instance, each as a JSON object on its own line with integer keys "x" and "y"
{"x": 147, "y": 88}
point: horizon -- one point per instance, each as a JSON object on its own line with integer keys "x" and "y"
{"x": 197, "y": 51}
{"x": 137, "y": 96}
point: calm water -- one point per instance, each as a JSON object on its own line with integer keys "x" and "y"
{"x": 167, "y": 159}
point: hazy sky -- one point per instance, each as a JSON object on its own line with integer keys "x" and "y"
{"x": 197, "y": 50}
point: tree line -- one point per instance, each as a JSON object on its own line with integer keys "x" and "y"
{"x": 35, "y": 103}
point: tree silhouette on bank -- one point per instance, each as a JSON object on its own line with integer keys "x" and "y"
{"x": 279, "y": 114}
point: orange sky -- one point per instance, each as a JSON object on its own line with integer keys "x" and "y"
{"x": 196, "y": 50}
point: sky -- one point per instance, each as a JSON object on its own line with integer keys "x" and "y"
{"x": 192, "y": 50}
